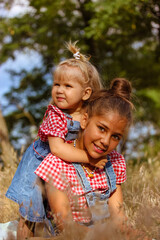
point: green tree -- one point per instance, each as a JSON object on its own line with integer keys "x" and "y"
{"x": 123, "y": 38}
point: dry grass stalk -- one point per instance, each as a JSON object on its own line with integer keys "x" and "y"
{"x": 8, "y": 208}
{"x": 142, "y": 197}
{"x": 8, "y": 154}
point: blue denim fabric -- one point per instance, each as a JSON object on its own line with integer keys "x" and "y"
{"x": 97, "y": 202}
{"x": 26, "y": 187}
{"x": 73, "y": 129}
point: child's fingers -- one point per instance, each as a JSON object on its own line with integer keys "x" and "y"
{"x": 101, "y": 164}
{"x": 100, "y": 167}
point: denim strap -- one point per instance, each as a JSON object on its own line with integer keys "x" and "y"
{"x": 90, "y": 195}
{"x": 111, "y": 181}
{"x": 111, "y": 176}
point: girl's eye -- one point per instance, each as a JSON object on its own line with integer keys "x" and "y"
{"x": 56, "y": 84}
{"x": 68, "y": 86}
{"x": 101, "y": 128}
{"x": 116, "y": 137}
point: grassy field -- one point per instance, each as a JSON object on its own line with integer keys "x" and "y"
{"x": 141, "y": 201}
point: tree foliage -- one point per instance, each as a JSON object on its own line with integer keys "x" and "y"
{"x": 123, "y": 38}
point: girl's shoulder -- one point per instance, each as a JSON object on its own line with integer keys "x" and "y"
{"x": 53, "y": 108}
{"x": 117, "y": 158}
{"x": 55, "y": 111}
{"x": 119, "y": 166}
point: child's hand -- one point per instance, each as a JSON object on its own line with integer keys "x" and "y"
{"x": 100, "y": 163}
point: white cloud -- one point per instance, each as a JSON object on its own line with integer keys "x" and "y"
{"x": 18, "y": 8}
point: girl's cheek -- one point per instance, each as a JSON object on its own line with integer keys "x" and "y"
{"x": 53, "y": 91}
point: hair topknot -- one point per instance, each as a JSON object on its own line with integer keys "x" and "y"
{"x": 74, "y": 49}
{"x": 121, "y": 87}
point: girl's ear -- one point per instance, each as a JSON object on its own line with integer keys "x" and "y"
{"x": 87, "y": 93}
{"x": 84, "y": 121}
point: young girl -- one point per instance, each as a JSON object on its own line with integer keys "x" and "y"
{"x": 74, "y": 81}
{"x": 107, "y": 118}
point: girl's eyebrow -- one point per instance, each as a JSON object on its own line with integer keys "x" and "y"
{"x": 103, "y": 124}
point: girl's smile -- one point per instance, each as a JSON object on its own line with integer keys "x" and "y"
{"x": 102, "y": 133}
{"x": 98, "y": 149}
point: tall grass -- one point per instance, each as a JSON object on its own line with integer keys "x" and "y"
{"x": 8, "y": 209}
{"x": 142, "y": 196}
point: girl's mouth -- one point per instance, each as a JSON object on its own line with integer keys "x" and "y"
{"x": 60, "y": 99}
{"x": 98, "y": 149}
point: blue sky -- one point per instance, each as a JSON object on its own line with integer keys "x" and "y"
{"x": 4, "y": 80}
{"x": 23, "y": 60}
{"x": 26, "y": 60}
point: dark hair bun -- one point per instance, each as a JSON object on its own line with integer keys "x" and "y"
{"x": 121, "y": 87}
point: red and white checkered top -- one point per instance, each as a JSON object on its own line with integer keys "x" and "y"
{"x": 62, "y": 175}
{"x": 54, "y": 124}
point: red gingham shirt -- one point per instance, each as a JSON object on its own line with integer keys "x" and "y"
{"x": 63, "y": 177}
{"x": 54, "y": 124}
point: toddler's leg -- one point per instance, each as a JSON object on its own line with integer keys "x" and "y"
{"x": 25, "y": 229}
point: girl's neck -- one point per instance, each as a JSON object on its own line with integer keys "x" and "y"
{"x": 76, "y": 115}
{"x": 79, "y": 144}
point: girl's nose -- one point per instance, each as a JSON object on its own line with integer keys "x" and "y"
{"x": 105, "y": 140}
{"x": 60, "y": 89}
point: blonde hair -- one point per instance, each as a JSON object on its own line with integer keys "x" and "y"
{"x": 90, "y": 74}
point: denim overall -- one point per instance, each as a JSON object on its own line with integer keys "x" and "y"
{"x": 25, "y": 188}
{"x": 97, "y": 202}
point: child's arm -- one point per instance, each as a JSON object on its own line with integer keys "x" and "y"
{"x": 60, "y": 207}
{"x": 69, "y": 153}
{"x": 59, "y": 204}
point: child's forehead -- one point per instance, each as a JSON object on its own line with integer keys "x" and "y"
{"x": 67, "y": 68}
{"x": 68, "y": 73}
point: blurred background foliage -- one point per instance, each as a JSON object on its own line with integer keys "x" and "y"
{"x": 123, "y": 38}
